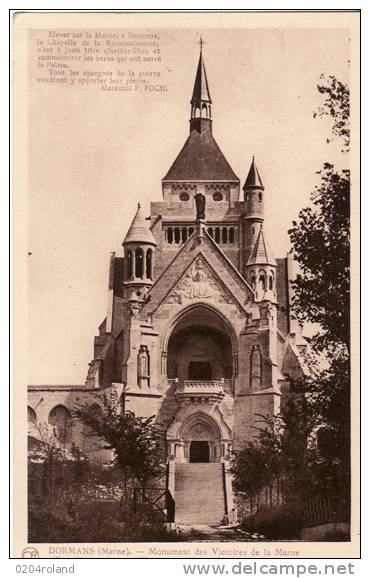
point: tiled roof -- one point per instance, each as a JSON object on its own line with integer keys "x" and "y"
{"x": 139, "y": 231}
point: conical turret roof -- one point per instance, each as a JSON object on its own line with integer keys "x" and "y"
{"x": 201, "y": 89}
{"x": 139, "y": 231}
{"x": 261, "y": 253}
{"x": 253, "y": 180}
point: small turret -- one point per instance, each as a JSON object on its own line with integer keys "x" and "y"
{"x": 261, "y": 270}
{"x": 139, "y": 245}
{"x": 253, "y": 195}
{"x": 253, "y": 211}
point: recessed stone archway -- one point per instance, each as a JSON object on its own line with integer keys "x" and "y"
{"x": 200, "y": 344}
{"x": 201, "y": 436}
{"x": 191, "y": 426}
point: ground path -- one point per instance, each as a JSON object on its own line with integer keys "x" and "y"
{"x": 202, "y": 533}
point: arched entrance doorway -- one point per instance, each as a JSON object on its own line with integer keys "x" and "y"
{"x": 201, "y": 437}
{"x": 199, "y": 452}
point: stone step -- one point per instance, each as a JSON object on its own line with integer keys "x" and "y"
{"x": 199, "y": 493}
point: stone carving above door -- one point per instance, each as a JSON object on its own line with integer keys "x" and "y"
{"x": 199, "y": 283}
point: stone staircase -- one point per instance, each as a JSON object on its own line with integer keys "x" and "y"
{"x": 199, "y": 493}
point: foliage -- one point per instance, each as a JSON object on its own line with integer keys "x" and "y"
{"x": 135, "y": 441}
{"x": 283, "y": 523}
{"x": 73, "y": 520}
{"x": 321, "y": 246}
{"x": 277, "y": 452}
{"x": 328, "y": 407}
{"x": 308, "y": 443}
{"x": 70, "y": 503}
{"x": 337, "y": 106}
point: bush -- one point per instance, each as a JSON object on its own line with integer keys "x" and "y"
{"x": 336, "y": 536}
{"x": 71, "y": 503}
{"x": 95, "y": 521}
{"x": 282, "y": 523}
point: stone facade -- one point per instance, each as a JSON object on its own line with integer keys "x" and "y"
{"x": 198, "y": 324}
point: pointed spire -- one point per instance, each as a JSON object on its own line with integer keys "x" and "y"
{"x": 253, "y": 180}
{"x": 139, "y": 231}
{"x": 261, "y": 252}
{"x": 201, "y": 89}
{"x": 201, "y": 101}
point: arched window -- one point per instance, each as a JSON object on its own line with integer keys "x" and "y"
{"x": 260, "y": 197}
{"x": 32, "y": 421}
{"x": 217, "y": 234}
{"x": 170, "y": 235}
{"x": 270, "y": 283}
{"x": 129, "y": 265}
{"x": 31, "y": 416}
{"x": 184, "y": 233}
{"x": 262, "y": 279}
{"x": 60, "y": 420}
{"x": 231, "y": 235}
{"x": 149, "y": 264}
{"x": 139, "y": 265}
{"x": 224, "y": 234}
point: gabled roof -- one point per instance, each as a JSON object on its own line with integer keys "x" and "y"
{"x": 216, "y": 259}
{"x": 200, "y": 159}
{"x": 139, "y": 231}
{"x": 253, "y": 180}
{"x": 261, "y": 253}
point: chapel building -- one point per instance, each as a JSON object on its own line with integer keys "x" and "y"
{"x": 198, "y": 324}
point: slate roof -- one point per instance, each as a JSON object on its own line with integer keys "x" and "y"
{"x": 200, "y": 159}
{"x": 261, "y": 253}
{"x": 253, "y": 180}
{"x": 201, "y": 89}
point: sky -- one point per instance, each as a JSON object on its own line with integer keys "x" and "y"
{"x": 93, "y": 155}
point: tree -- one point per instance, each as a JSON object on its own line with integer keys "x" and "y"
{"x": 320, "y": 240}
{"x": 321, "y": 245}
{"x": 308, "y": 443}
{"x": 135, "y": 441}
{"x": 277, "y": 453}
{"x": 336, "y": 105}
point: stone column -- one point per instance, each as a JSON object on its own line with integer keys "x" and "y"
{"x": 180, "y": 454}
{"x": 164, "y": 363}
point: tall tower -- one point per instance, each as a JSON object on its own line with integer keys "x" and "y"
{"x": 259, "y": 265}
{"x": 138, "y": 246}
{"x": 200, "y": 166}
